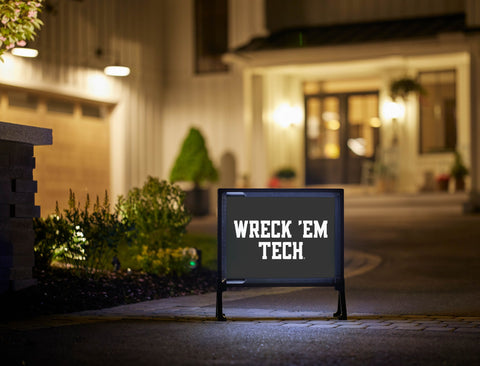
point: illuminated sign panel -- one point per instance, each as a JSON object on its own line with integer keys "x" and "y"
{"x": 280, "y": 237}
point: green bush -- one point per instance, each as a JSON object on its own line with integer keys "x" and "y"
{"x": 150, "y": 221}
{"x": 85, "y": 241}
{"x": 51, "y": 233}
{"x": 157, "y": 213}
{"x": 168, "y": 261}
{"x": 193, "y": 163}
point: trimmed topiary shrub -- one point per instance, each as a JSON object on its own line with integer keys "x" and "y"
{"x": 193, "y": 163}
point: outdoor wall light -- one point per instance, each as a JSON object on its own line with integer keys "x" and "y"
{"x": 393, "y": 110}
{"x": 24, "y": 52}
{"x": 286, "y": 115}
{"x": 117, "y": 71}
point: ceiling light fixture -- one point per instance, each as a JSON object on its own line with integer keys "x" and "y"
{"x": 24, "y": 52}
{"x": 117, "y": 71}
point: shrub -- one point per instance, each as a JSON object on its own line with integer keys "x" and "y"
{"x": 158, "y": 214}
{"x": 19, "y": 23}
{"x": 152, "y": 218}
{"x": 193, "y": 163}
{"x": 167, "y": 261}
{"x": 50, "y": 234}
{"x": 86, "y": 241}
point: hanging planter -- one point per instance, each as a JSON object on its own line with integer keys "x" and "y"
{"x": 404, "y": 86}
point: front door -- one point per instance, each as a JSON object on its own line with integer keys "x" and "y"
{"x": 341, "y": 133}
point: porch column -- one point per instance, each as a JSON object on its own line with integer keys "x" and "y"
{"x": 258, "y": 150}
{"x": 473, "y": 204}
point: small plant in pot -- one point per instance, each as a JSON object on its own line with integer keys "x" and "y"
{"x": 459, "y": 171}
{"x": 404, "y": 86}
{"x": 283, "y": 178}
{"x": 194, "y": 165}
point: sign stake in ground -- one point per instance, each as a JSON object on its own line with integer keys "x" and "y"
{"x": 280, "y": 237}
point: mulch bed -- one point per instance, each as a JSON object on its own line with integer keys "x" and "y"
{"x": 60, "y": 291}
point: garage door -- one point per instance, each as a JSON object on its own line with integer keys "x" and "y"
{"x": 79, "y": 158}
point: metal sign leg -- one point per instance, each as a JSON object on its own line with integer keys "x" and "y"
{"x": 341, "y": 313}
{"x": 221, "y": 286}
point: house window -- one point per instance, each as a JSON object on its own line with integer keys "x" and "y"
{"x": 60, "y": 106}
{"x": 211, "y": 35}
{"x": 22, "y": 99}
{"x": 438, "y": 125}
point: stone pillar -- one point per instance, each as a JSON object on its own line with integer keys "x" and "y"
{"x": 17, "y": 203}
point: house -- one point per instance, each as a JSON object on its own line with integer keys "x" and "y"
{"x": 303, "y": 84}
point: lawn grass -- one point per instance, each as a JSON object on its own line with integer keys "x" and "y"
{"x": 204, "y": 242}
{"x": 208, "y": 245}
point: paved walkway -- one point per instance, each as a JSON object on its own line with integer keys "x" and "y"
{"x": 201, "y": 308}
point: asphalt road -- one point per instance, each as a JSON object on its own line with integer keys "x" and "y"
{"x": 234, "y": 343}
{"x": 430, "y": 268}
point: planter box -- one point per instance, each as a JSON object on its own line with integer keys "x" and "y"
{"x": 197, "y": 201}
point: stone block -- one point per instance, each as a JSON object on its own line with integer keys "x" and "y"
{"x": 16, "y": 172}
{"x": 24, "y": 185}
{"x": 22, "y": 149}
{"x": 22, "y": 160}
{"x": 6, "y": 248}
{"x": 6, "y": 261}
{"x": 25, "y": 134}
{"x": 24, "y": 211}
{"x": 23, "y": 198}
{"x": 7, "y": 147}
{"x": 4, "y": 160}
{"x": 5, "y": 184}
{"x": 22, "y": 242}
{"x": 17, "y": 285}
{"x": 21, "y": 224}
{"x": 4, "y": 211}
{"x": 24, "y": 261}
{"x": 6, "y": 196}
{"x": 21, "y": 273}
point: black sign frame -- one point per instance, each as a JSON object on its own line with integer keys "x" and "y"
{"x": 337, "y": 280}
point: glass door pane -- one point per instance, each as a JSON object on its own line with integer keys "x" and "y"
{"x": 323, "y": 128}
{"x": 362, "y": 136}
{"x": 362, "y": 117}
{"x": 323, "y": 140}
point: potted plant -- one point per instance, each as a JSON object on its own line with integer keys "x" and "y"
{"x": 194, "y": 165}
{"x": 384, "y": 178}
{"x": 442, "y": 181}
{"x": 459, "y": 171}
{"x": 283, "y": 178}
{"x": 404, "y": 86}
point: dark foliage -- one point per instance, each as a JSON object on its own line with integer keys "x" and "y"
{"x": 61, "y": 291}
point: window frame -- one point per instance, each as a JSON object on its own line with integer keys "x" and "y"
{"x": 206, "y": 62}
{"x": 445, "y": 149}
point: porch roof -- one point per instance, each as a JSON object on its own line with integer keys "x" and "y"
{"x": 355, "y": 33}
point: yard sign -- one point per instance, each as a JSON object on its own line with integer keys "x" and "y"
{"x": 280, "y": 237}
